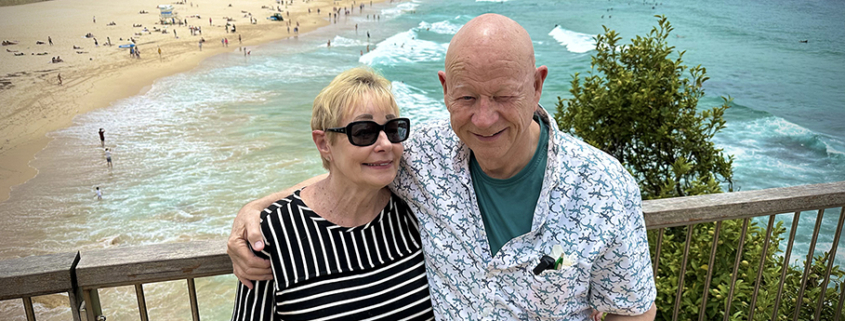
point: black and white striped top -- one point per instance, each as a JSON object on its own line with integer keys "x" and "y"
{"x": 324, "y": 271}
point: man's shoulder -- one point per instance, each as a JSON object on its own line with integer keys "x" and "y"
{"x": 577, "y": 157}
{"x": 431, "y": 138}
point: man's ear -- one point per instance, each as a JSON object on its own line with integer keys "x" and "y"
{"x": 540, "y": 75}
{"x": 321, "y": 139}
{"x": 442, "y": 75}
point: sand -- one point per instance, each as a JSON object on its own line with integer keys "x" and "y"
{"x": 34, "y": 103}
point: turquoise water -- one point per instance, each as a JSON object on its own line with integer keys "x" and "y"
{"x": 196, "y": 146}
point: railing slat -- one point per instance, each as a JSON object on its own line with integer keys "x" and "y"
{"x": 736, "y": 267}
{"x": 656, "y": 261}
{"x": 192, "y": 295}
{"x": 808, "y": 265}
{"x": 839, "y": 307}
{"x": 760, "y": 268}
{"x": 706, "y": 293}
{"x": 785, "y": 266}
{"x": 152, "y": 263}
{"x": 142, "y": 302}
{"x": 683, "y": 273}
{"x": 831, "y": 256}
{"x": 681, "y": 211}
{"x": 27, "y": 307}
{"x": 36, "y": 275}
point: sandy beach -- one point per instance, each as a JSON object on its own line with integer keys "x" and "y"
{"x": 95, "y": 73}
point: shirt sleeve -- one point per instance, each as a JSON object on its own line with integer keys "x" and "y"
{"x": 622, "y": 281}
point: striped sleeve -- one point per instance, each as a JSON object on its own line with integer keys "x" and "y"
{"x": 256, "y": 304}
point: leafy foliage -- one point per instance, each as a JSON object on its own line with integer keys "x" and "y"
{"x": 643, "y": 112}
{"x": 638, "y": 107}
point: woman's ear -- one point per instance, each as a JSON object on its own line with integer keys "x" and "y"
{"x": 322, "y": 141}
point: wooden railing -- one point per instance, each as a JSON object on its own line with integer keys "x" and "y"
{"x": 81, "y": 274}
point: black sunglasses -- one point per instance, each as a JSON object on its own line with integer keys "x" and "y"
{"x": 366, "y": 132}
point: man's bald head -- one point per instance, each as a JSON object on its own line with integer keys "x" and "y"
{"x": 491, "y": 88}
{"x": 487, "y": 38}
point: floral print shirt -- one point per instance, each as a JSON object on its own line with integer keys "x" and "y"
{"x": 589, "y": 206}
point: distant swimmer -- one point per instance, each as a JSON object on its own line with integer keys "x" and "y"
{"x": 108, "y": 158}
{"x": 804, "y": 41}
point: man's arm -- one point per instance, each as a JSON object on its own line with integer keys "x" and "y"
{"x": 647, "y": 316}
{"x": 246, "y": 229}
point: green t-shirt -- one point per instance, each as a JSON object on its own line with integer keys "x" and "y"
{"x": 507, "y": 205}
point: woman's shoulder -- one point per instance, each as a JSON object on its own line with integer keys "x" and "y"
{"x": 292, "y": 202}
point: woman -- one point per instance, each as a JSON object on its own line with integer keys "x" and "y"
{"x": 345, "y": 248}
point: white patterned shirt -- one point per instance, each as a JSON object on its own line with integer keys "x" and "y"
{"x": 589, "y": 205}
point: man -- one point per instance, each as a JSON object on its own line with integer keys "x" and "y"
{"x": 499, "y": 188}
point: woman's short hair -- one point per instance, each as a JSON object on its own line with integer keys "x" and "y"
{"x": 347, "y": 92}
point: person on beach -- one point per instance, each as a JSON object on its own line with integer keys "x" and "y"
{"x": 99, "y": 194}
{"x": 50, "y": 40}
{"x": 519, "y": 220}
{"x": 60, "y": 78}
{"x": 108, "y": 158}
{"x": 102, "y": 133}
{"x": 362, "y": 257}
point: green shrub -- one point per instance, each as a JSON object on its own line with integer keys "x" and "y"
{"x": 639, "y": 107}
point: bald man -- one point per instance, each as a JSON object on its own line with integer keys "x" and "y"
{"x": 519, "y": 221}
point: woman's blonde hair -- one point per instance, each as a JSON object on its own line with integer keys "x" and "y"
{"x": 347, "y": 92}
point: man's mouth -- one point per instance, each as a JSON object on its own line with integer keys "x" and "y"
{"x": 489, "y": 137}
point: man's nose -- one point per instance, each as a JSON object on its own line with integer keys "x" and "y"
{"x": 485, "y": 114}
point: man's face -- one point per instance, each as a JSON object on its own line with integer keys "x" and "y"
{"x": 491, "y": 101}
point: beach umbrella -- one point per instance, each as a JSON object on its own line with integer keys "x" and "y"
{"x": 128, "y": 45}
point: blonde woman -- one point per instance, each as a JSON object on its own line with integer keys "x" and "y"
{"x": 345, "y": 247}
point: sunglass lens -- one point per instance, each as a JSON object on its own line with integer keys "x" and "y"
{"x": 396, "y": 130}
{"x": 365, "y": 133}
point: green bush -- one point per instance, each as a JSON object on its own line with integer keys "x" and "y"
{"x": 639, "y": 107}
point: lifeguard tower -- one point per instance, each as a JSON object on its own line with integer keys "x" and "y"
{"x": 168, "y": 16}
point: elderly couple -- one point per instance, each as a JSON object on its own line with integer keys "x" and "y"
{"x": 494, "y": 215}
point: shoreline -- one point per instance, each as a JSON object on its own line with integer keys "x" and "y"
{"x": 39, "y": 105}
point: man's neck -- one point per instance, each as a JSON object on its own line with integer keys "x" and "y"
{"x": 516, "y": 159}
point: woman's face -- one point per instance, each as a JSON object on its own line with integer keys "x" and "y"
{"x": 372, "y": 166}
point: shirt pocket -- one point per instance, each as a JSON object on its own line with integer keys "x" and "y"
{"x": 556, "y": 294}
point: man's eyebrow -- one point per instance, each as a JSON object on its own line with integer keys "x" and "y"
{"x": 364, "y": 116}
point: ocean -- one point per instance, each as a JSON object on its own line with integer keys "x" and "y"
{"x": 194, "y": 147}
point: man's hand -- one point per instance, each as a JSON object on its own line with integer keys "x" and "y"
{"x": 247, "y": 230}
{"x": 245, "y": 264}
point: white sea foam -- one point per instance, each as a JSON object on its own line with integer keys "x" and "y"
{"x": 491, "y": 0}
{"x": 404, "y": 47}
{"x": 398, "y": 10}
{"x": 339, "y": 41}
{"x": 443, "y": 27}
{"x": 417, "y": 103}
{"x": 573, "y": 41}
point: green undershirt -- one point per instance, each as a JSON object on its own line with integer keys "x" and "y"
{"x": 507, "y": 205}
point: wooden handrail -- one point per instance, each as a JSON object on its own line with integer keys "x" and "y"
{"x": 90, "y": 270}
